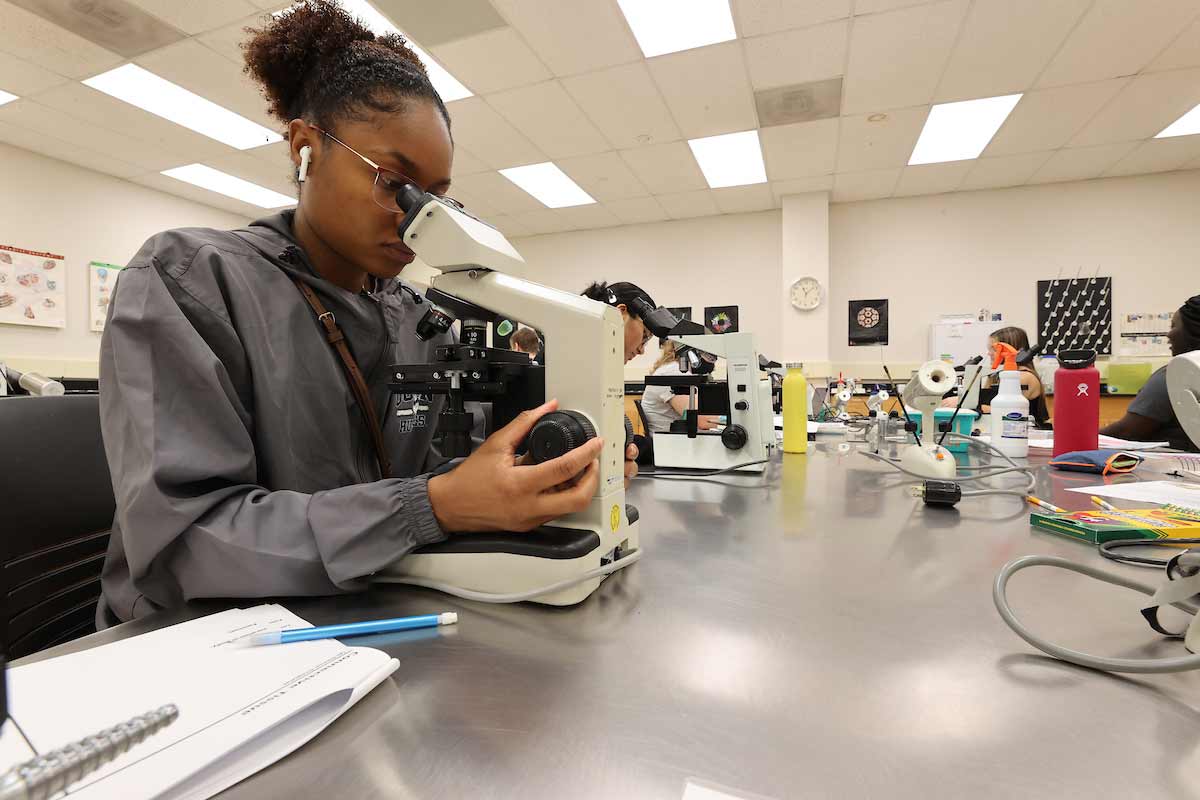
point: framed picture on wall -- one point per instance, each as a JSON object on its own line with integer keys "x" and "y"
{"x": 102, "y": 279}
{"x": 868, "y": 322}
{"x": 721, "y": 319}
{"x": 681, "y": 312}
{"x": 33, "y": 288}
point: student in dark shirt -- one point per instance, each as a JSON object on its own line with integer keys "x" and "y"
{"x": 1150, "y": 417}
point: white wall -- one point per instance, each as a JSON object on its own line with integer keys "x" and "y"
{"x": 960, "y": 252}
{"x": 86, "y": 216}
{"x": 710, "y": 261}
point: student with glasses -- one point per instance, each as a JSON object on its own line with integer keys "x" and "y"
{"x": 254, "y": 446}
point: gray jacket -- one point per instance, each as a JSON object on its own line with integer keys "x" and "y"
{"x": 240, "y": 462}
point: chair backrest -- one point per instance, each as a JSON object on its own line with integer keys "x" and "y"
{"x": 642, "y": 418}
{"x": 56, "y": 516}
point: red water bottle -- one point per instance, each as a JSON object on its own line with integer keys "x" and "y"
{"x": 1076, "y": 402}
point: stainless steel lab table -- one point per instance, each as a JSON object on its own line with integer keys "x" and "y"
{"x": 826, "y": 636}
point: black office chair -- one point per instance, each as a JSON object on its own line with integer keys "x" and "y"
{"x": 56, "y": 512}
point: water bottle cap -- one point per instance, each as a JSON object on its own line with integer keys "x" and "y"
{"x": 1077, "y": 359}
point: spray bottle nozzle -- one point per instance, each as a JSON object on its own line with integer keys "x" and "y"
{"x": 1004, "y": 354}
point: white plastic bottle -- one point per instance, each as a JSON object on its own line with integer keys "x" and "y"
{"x": 1010, "y": 417}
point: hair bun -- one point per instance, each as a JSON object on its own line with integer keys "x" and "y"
{"x": 289, "y": 47}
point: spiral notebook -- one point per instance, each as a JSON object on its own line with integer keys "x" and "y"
{"x": 240, "y": 708}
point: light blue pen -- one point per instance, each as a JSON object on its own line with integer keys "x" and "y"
{"x": 354, "y": 629}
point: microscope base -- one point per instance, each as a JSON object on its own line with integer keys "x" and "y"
{"x": 514, "y": 563}
{"x": 677, "y": 451}
{"x": 930, "y": 461}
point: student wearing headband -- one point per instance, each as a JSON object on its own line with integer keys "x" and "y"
{"x": 1150, "y": 417}
{"x": 638, "y": 309}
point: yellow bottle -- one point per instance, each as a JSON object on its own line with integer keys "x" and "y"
{"x": 795, "y": 410}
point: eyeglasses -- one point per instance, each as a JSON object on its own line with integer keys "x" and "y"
{"x": 388, "y": 183}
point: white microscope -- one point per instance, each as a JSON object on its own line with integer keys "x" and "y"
{"x": 923, "y": 393}
{"x": 744, "y": 397}
{"x": 564, "y": 562}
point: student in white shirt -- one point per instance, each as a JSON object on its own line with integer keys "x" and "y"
{"x": 660, "y": 405}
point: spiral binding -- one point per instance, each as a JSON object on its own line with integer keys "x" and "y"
{"x": 46, "y": 776}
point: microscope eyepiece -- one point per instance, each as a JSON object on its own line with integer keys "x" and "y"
{"x": 409, "y": 197}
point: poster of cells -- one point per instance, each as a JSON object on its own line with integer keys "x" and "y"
{"x": 33, "y": 288}
{"x": 102, "y": 279}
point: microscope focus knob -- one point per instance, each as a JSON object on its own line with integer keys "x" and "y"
{"x": 558, "y": 433}
{"x": 734, "y": 437}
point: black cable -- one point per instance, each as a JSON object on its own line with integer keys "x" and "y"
{"x": 907, "y": 421}
{"x": 961, "y": 400}
{"x": 1107, "y": 548}
{"x": 693, "y": 475}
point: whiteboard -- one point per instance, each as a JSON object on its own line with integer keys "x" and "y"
{"x": 958, "y": 340}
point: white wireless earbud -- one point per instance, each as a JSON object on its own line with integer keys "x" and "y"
{"x": 305, "y": 157}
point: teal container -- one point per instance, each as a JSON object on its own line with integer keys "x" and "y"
{"x": 964, "y": 423}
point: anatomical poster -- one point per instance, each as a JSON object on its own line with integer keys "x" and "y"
{"x": 102, "y": 279}
{"x": 33, "y": 288}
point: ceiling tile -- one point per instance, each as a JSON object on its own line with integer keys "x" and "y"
{"x": 932, "y": 178}
{"x": 122, "y": 147}
{"x": 1002, "y": 171}
{"x": 897, "y": 58}
{"x": 571, "y": 38}
{"x": 492, "y": 61}
{"x": 277, "y": 177}
{"x": 509, "y": 226}
{"x": 275, "y": 153}
{"x": 190, "y": 192}
{"x": 96, "y": 108}
{"x": 201, "y": 70}
{"x": 1143, "y": 108}
{"x": 227, "y": 41}
{"x": 21, "y": 77}
{"x": 193, "y": 18}
{"x": 548, "y": 116}
{"x": 1046, "y": 119}
{"x": 38, "y": 142}
{"x": 865, "y": 145}
{"x": 1183, "y": 52}
{"x": 467, "y": 164}
{"x": 1117, "y": 38}
{"x": 498, "y": 192}
{"x": 625, "y": 104}
{"x": 758, "y": 17}
{"x": 475, "y": 205}
{"x": 637, "y": 210}
{"x": 877, "y": 6}
{"x": 1005, "y": 45}
{"x": 1081, "y": 163}
{"x": 586, "y": 217}
{"x": 819, "y": 183}
{"x": 850, "y": 187}
{"x": 798, "y": 56}
{"x": 744, "y": 199}
{"x": 707, "y": 89}
{"x": 1158, "y": 155}
{"x": 604, "y": 176}
{"x": 803, "y": 149}
{"x": 689, "y": 204}
{"x": 29, "y": 37}
{"x": 541, "y": 222}
{"x": 665, "y": 168}
{"x": 487, "y": 135}
{"x": 433, "y": 24}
